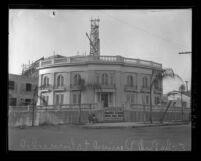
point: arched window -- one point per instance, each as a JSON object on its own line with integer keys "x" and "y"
{"x": 60, "y": 80}
{"x": 76, "y": 79}
{"x": 46, "y": 81}
{"x": 104, "y": 79}
{"x": 145, "y": 82}
{"x": 130, "y": 80}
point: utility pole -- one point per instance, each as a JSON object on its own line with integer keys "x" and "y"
{"x": 186, "y": 86}
{"x": 186, "y": 52}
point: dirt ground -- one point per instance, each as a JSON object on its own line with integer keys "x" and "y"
{"x": 75, "y": 137}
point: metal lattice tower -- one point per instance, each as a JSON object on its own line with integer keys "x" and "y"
{"x": 94, "y": 38}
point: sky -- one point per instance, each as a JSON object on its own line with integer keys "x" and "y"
{"x": 155, "y": 35}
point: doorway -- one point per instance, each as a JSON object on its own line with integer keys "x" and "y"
{"x": 104, "y": 98}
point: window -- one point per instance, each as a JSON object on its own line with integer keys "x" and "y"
{"x": 11, "y": 85}
{"x": 28, "y": 87}
{"x": 97, "y": 78}
{"x": 59, "y": 99}
{"x": 147, "y": 99}
{"x": 104, "y": 79}
{"x": 132, "y": 99}
{"x": 77, "y": 79}
{"x": 27, "y": 101}
{"x": 111, "y": 79}
{"x": 128, "y": 98}
{"x": 60, "y": 81}
{"x": 46, "y": 82}
{"x": 156, "y": 84}
{"x": 110, "y": 98}
{"x": 44, "y": 101}
{"x": 47, "y": 99}
{"x": 157, "y": 100}
{"x": 74, "y": 99}
{"x": 12, "y": 101}
{"x": 130, "y": 81}
{"x": 99, "y": 97}
{"x": 145, "y": 82}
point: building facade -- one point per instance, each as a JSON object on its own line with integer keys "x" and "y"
{"x": 21, "y": 89}
{"x": 185, "y": 99}
{"x": 123, "y": 81}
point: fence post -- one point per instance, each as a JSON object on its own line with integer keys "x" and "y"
{"x": 33, "y": 114}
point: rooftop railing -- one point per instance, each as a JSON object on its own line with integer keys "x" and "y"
{"x": 97, "y": 59}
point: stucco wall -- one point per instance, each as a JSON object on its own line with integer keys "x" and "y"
{"x": 89, "y": 72}
{"x": 72, "y": 116}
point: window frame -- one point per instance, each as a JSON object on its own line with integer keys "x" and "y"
{"x": 104, "y": 79}
{"x": 11, "y": 101}
{"x": 13, "y": 85}
{"x": 130, "y": 81}
{"x": 76, "y": 79}
{"x": 145, "y": 82}
{"x": 60, "y": 80}
{"x": 28, "y": 88}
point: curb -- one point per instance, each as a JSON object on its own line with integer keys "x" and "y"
{"x": 140, "y": 126}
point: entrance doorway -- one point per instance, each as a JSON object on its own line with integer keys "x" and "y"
{"x": 104, "y": 98}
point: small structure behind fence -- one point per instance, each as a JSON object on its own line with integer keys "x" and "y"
{"x": 69, "y": 114}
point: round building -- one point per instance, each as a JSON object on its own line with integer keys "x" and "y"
{"x": 121, "y": 81}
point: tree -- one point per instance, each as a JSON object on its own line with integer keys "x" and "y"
{"x": 34, "y": 102}
{"x": 180, "y": 91}
{"x": 159, "y": 76}
{"x": 83, "y": 87}
{"x": 144, "y": 109}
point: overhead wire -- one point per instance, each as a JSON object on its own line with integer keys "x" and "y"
{"x": 138, "y": 28}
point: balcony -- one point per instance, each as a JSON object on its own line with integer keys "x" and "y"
{"x": 145, "y": 89}
{"x": 59, "y": 88}
{"x": 97, "y": 59}
{"x": 107, "y": 86}
{"x": 74, "y": 87}
{"x": 129, "y": 88}
{"x": 46, "y": 88}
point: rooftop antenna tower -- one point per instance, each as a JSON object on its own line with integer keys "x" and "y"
{"x": 94, "y": 37}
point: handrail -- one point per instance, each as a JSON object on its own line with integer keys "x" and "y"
{"x": 103, "y": 58}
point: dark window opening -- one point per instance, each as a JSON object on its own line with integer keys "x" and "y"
{"x": 12, "y": 101}
{"x": 27, "y": 101}
{"x": 11, "y": 85}
{"x": 28, "y": 87}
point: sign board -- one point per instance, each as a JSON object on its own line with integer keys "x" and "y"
{"x": 114, "y": 114}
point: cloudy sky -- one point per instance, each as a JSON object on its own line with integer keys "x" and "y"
{"x": 155, "y": 35}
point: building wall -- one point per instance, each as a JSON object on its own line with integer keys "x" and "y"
{"x": 19, "y": 91}
{"x": 177, "y": 99}
{"x": 89, "y": 72}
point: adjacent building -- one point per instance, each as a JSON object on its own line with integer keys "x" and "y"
{"x": 185, "y": 99}
{"x": 21, "y": 89}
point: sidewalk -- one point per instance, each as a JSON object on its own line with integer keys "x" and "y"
{"x": 131, "y": 124}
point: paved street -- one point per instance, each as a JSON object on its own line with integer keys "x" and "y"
{"x": 75, "y": 137}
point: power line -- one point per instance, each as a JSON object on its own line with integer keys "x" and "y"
{"x": 138, "y": 28}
